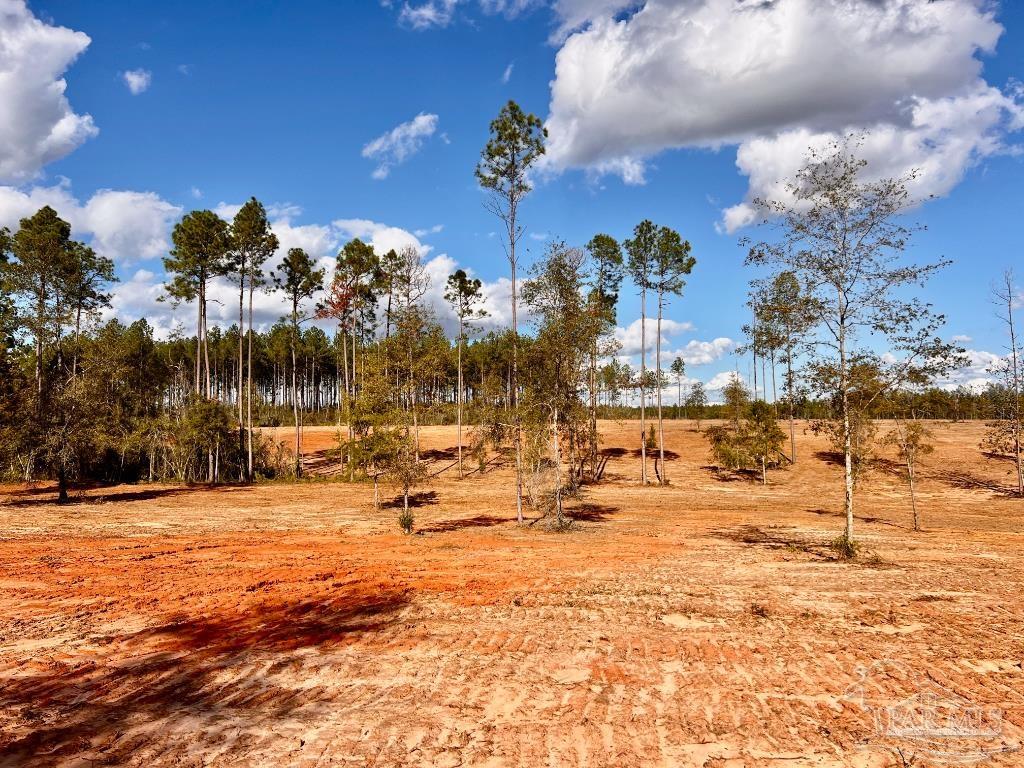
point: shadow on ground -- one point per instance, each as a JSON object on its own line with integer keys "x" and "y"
{"x": 460, "y": 523}
{"x": 79, "y": 496}
{"x": 420, "y": 499}
{"x": 591, "y": 513}
{"x": 202, "y": 670}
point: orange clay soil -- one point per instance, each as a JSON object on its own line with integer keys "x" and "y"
{"x": 705, "y": 623}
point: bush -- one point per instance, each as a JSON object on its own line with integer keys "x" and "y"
{"x": 405, "y": 521}
{"x": 844, "y": 548}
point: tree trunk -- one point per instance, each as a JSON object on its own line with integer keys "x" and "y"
{"x": 248, "y": 393}
{"x": 514, "y": 383}
{"x": 643, "y": 386}
{"x": 913, "y": 495}
{"x": 847, "y": 439}
{"x": 241, "y": 372}
{"x": 206, "y": 347}
{"x": 199, "y": 342}
{"x": 295, "y": 397}
{"x": 459, "y": 405}
{"x": 661, "y": 423}
{"x": 593, "y": 412}
{"x": 1016, "y": 391}
{"x": 792, "y": 405}
{"x": 62, "y": 486}
{"x": 559, "y": 520}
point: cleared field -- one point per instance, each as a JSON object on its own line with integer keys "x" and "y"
{"x": 704, "y": 623}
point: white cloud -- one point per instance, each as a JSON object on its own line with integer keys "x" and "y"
{"x": 428, "y": 231}
{"x": 720, "y": 381}
{"x": 672, "y": 75}
{"x": 440, "y": 13}
{"x": 507, "y": 74}
{"x": 577, "y": 14}
{"x": 961, "y": 339}
{"x": 400, "y": 143}
{"x": 196, "y": 193}
{"x": 129, "y": 226}
{"x": 433, "y": 13}
{"x": 137, "y": 80}
{"x": 382, "y": 237}
{"x": 697, "y": 352}
{"x": 977, "y": 373}
{"x": 37, "y": 124}
{"x": 122, "y": 225}
{"x": 629, "y": 337}
{"x": 943, "y": 139}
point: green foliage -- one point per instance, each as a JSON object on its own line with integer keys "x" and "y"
{"x": 253, "y": 241}
{"x": 298, "y": 278}
{"x": 406, "y": 520}
{"x": 202, "y": 246}
{"x": 752, "y": 441}
{"x": 845, "y": 548}
{"x": 606, "y": 274}
{"x": 842, "y": 238}
{"x": 516, "y": 142}
{"x": 465, "y": 294}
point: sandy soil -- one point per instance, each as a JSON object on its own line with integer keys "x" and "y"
{"x": 700, "y": 624}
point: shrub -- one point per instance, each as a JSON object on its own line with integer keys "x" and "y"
{"x": 405, "y": 521}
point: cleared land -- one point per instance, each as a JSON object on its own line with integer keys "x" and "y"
{"x": 701, "y": 624}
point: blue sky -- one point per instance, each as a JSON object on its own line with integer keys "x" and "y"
{"x": 278, "y": 100}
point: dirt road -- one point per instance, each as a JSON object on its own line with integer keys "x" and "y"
{"x": 701, "y": 624}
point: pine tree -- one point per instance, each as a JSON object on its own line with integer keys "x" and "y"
{"x": 202, "y": 245}
{"x": 299, "y": 279}
{"x": 464, "y": 294}
{"x": 515, "y": 145}
{"x": 671, "y": 265}
{"x": 606, "y": 273}
{"x": 254, "y": 243}
{"x": 643, "y": 255}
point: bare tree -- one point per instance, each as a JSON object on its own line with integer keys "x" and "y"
{"x": 912, "y": 440}
{"x": 1004, "y": 435}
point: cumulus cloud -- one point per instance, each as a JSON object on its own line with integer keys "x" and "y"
{"x": 697, "y": 352}
{"x": 400, "y": 143}
{"x": 382, "y": 237}
{"x": 137, "y": 80}
{"x": 669, "y": 74}
{"x": 978, "y": 372}
{"x": 125, "y": 226}
{"x": 37, "y": 125}
{"x": 720, "y": 381}
{"x": 629, "y": 337}
{"x": 574, "y": 15}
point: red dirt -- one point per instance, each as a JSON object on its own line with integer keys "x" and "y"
{"x": 705, "y": 623}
